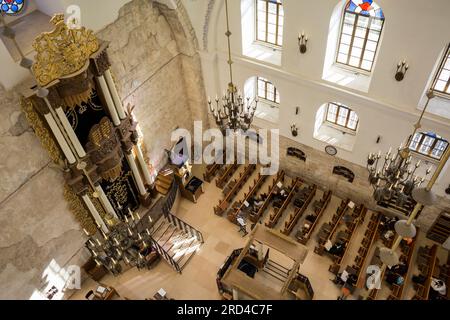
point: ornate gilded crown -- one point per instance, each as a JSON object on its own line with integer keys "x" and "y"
{"x": 62, "y": 51}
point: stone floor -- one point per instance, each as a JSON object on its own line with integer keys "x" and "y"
{"x": 198, "y": 279}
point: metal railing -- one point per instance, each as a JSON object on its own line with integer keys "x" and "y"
{"x": 165, "y": 255}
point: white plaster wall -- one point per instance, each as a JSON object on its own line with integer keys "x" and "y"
{"x": 389, "y": 109}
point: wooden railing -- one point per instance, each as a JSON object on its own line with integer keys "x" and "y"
{"x": 272, "y": 189}
{"x": 257, "y": 184}
{"x": 304, "y": 234}
{"x": 233, "y": 189}
{"x": 293, "y": 219}
{"x": 278, "y": 212}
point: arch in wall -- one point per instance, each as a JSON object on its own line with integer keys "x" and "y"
{"x": 262, "y": 88}
{"x": 334, "y": 132}
{"x": 358, "y": 78}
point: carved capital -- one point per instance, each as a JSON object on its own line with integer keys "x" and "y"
{"x": 100, "y": 61}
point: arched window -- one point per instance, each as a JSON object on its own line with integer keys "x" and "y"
{"x": 269, "y": 21}
{"x": 362, "y": 25}
{"x": 266, "y": 90}
{"x": 342, "y": 116}
{"x": 12, "y": 7}
{"x": 441, "y": 83}
{"x": 429, "y": 144}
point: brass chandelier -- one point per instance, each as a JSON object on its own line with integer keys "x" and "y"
{"x": 393, "y": 176}
{"x": 232, "y": 112}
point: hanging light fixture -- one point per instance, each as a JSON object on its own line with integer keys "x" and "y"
{"x": 394, "y": 176}
{"x": 232, "y": 111}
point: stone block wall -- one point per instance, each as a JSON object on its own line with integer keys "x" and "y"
{"x": 158, "y": 71}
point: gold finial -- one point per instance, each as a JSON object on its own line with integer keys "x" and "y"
{"x": 62, "y": 52}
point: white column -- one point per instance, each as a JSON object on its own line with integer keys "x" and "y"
{"x": 95, "y": 214}
{"x": 105, "y": 201}
{"x": 136, "y": 174}
{"x": 109, "y": 101}
{"x": 115, "y": 95}
{"x": 71, "y": 133}
{"x": 235, "y": 295}
{"x": 143, "y": 165}
{"x": 60, "y": 138}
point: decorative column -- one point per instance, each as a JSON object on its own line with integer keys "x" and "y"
{"x": 143, "y": 165}
{"x": 70, "y": 133}
{"x": 60, "y": 138}
{"x": 98, "y": 219}
{"x": 109, "y": 100}
{"x": 136, "y": 174}
{"x": 115, "y": 95}
{"x": 105, "y": 202}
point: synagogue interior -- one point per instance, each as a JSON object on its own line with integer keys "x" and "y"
{"x": 224, "y": 150}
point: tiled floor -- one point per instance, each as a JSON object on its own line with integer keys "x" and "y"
{"x": 198, "y": 280}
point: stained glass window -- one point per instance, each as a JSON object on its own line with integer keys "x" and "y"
{"x": 441, "y": 84}
{"x": 342, "y": 116}
{"x": 12, "y": 6}
{"x": 428, "y": 144}
{"x": 360, "y": 34}
{"x": 269, "y": 21}
{"x": 266, "y": 90}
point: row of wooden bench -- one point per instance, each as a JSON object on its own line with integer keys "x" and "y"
{"x": 278, "y": 211}
{"x": 304, "y": 234}
{"x": 358, "y": 216}
{"x": 225, "y": 174}
{"x": 327, "y": 230}
{"x": 257, "y": 184}
{"x": 306, "y": 195}
{"x": 233, "y": 189}
{"x": 427, "y": 261}
{"x": 254, "y": 217}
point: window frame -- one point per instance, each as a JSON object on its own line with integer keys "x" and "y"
{"x": 445, "y": 58}
{"x": 365, "y": 40}
{"x": 276, "y": 93}
{"x": 432, "y": 147}
{"x": 336, "y": 118}
{"x": 265, "y": 42}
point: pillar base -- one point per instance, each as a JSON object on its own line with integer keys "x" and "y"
{"x": 146, "y": 200}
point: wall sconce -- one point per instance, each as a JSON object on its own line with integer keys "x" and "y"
{"x": 302, "y": 41}
{"x": 402, "y": 68}
{"x": 294, "y": 130}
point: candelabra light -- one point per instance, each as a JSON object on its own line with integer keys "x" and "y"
{"x": 302, "y": 42}
{"x": 233, "y": 111}
{"x": 402, "y": 68}
{"x": 129, "y": 242}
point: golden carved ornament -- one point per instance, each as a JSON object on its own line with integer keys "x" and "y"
{"x": 41, "y": 131}
{"x": 62, "y": 51}
{"x": 77, "y": 208}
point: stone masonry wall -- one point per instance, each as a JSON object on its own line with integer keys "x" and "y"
{"x": 157, "y": 72}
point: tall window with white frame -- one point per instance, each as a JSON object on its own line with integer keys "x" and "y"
{"x": 342, "y": 116}
{"x": 429, "y": 144}
{"x": 441, "y": 83}
{"x": 362, "y": 25}
{"x": 267, "y": 91}
{"x": 269, "y": 22}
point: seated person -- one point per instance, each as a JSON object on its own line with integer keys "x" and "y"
{"x": 400, "y": 269}
{"x": 337, "y": 249}
{"x": 394, "y": 278}
{"x": 311, "y": 218}
{"x": 281, "y": 195}
{"x": 242, "y": 224}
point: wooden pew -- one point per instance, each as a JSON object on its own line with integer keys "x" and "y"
{"x": 423, "y": 291}
{"x": 359, "y": 214}
{"x": 254, "y": 217}
{"x": 370, "y": 237}
{"x": 233, "y": 190}
{"x": 398, "y": 291}
{"x": 293, "y": 219}
{"x": 225, "y": 175}
{"x": 304, "y": 234}
{"x": 278, "y": 212}
{"x": 211, "y": 171}
{"x": 328, "y": 229}
{"x": 257, "y": 184}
